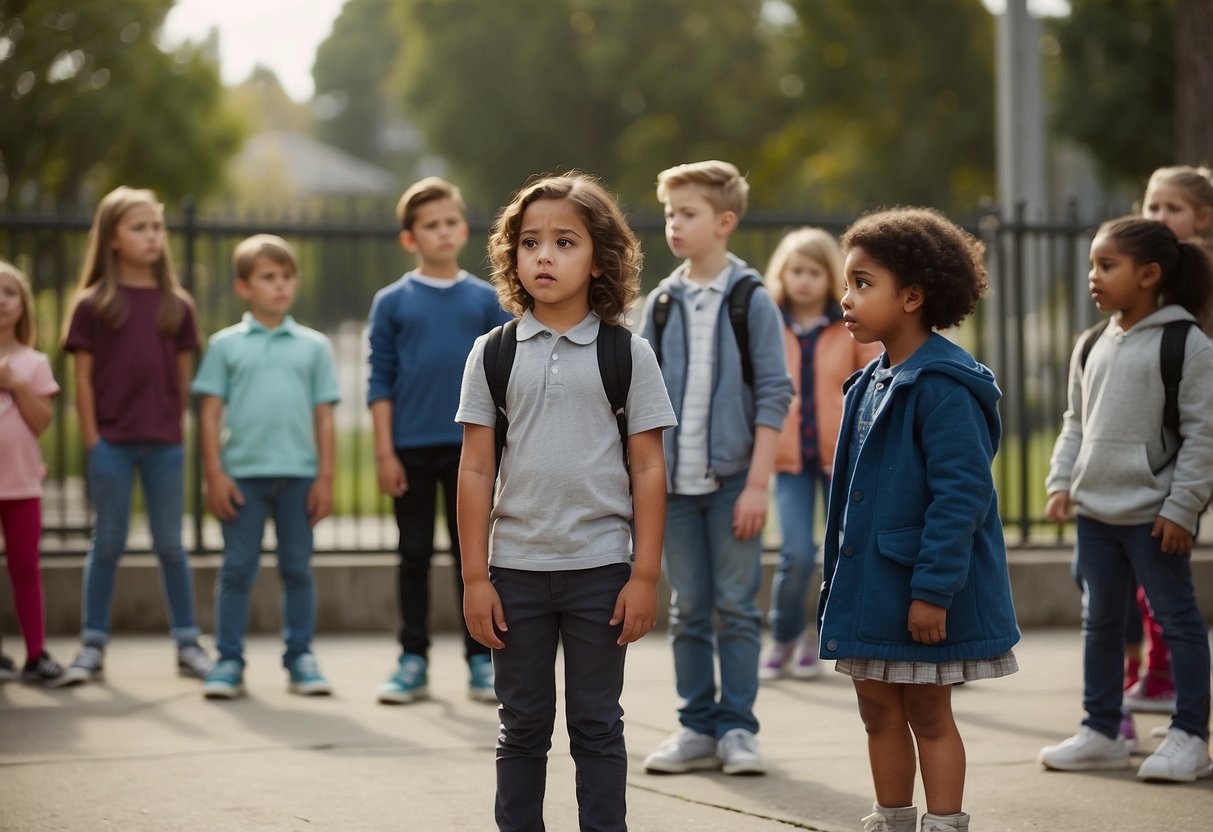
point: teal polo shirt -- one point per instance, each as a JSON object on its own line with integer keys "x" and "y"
{"x": 270, "y": 381}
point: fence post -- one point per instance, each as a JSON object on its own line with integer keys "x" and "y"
{"x": 189, "y": 210}
{"x": 1021, "y": 400}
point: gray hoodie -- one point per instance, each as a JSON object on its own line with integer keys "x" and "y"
{"x": 1112, "y": 455}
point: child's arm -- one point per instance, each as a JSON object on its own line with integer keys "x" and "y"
{"x": 320, "y": 495}
{"x": 185, "y": 371}
{"x": 392, "y": 479}
{"x": 223, "y": 497}
{"x": 636, "y": 606}
{"x": 750, "y": 511}
{"x": 1065, "y": 449}
{"x": 86, "y": 399}
{"x": 482, "y": 610}
{"x": 36, "y": 409}
{"x": 1191, "y": 481}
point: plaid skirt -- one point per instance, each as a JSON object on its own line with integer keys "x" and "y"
{"x": 928, "y": 673}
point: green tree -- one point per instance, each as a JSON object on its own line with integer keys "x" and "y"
{"x": 93, "y": 102}
{"x": 620, "y": 88}
{"x": 1112, "y": 83}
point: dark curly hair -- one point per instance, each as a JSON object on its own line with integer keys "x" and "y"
{"x": 1187, "y": 274}
{"x": 922, "y": 247}
{"x": 617, "y": 254}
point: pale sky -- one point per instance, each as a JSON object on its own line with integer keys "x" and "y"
{"x": 279, "y": 34}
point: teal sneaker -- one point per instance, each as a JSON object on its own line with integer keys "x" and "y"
{"x": 306, "y": 678}
{"x": 480, "y": 681}
{"x": 408, "y": 683}
{"x": 225, "y": 681}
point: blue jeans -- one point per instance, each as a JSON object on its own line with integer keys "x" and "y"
{"x": 711, "y": 571}
{"x": 572, "y": 608}
{"x": 111, "y": 477}
{"x": 796, "y": 496}
{"x": 284, "y": 498}
{"x": 1108, "y": 559}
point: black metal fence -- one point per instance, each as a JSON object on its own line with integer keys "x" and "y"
{"x": 1024, "y": 331}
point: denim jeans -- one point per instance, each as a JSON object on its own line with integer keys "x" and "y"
{"x": 285, "y": 499}
{"x": 573, "y": 608}
{"x": 1108, "y": 559}
{"x": 712, "y": 572}
{"x": 111, "y": 478}
{"x": 796, "y": 497}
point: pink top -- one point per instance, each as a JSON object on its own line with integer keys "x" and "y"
{"x": 22, "y": 473}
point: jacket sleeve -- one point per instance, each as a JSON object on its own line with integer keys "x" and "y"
{"x": 384, "y": 363}
{"x": 1065, "y": 449}
{"x": 772, "y": 384}
{"x": 1192, "y": 479}
{"x": 957, "y": 450}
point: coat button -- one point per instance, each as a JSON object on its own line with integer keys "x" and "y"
{"x": 857, "y": 495}
{"x": 848, "y": 551}
{"x": 831, "y": 645}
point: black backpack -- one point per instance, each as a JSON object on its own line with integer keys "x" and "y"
{"x": 1170, "y": 360}
{"x": 614, "y": 366}
{"x": 739, "y": 310}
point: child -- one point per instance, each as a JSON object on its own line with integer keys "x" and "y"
{"x": 1139, "y": 488}
{"x": 720, "y": 461}
{"x": 133, "y": 334}
{"x": 803, "y": 277}
{"x": 565, "y": 565}
{"x": 916, "y": 596}
{"x": 1182, "y": 198}
{"x": 27, "y": 387}
{"x": 421, "y": 330}
{"x": 276, "y": 381}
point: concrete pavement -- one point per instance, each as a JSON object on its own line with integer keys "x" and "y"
{"x": 144, "y": 751}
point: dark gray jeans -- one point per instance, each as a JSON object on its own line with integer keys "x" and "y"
{"x": 543, "y": 609}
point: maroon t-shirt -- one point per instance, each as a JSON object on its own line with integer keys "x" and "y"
{"x": 135, "y": 378}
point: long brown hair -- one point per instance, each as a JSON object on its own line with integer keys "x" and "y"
{"x": 26, "y": 330}
{"x": 99, "y": 276}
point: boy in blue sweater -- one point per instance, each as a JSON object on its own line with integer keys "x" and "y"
{"x": 719, "y": 462}
{"x": 421, "y": 330}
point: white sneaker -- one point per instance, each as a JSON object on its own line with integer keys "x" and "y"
{"x": 1088, "y": 750}
{"x": 776, "y": 662}
{"x": 808, "y": 664}
{"x": 882, "y": 819}
{"x": 1181, "y": 758}
{"x": 685, "y": 751}
{"x": 738, "y": 752}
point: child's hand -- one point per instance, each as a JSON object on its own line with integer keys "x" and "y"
{"x": 927, "y": 622}
{"x": 750, "y": 512}
{"x": 482, "y": 613}
{"x": 1175, "y": 538}
{"x": 223, "y": 498}
{"x": 392, "y": 479}
{"x": 1057, "y": 508}
{"x": 636, "y": 607}
{"x": 319, "y": 500}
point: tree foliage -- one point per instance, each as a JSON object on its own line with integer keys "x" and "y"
{"x": 91, "y": 101}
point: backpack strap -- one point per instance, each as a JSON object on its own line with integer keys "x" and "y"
{"x": 739, "y": 317}
{"x": 661, "y": 316}
{"x": 1171, "y": 361}
{"x": 1088, "y": 339}
{"x": 499, "y": 349}
{"x": 615, "y": 366}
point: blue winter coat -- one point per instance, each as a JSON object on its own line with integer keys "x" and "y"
{"x": 921, "y": 516}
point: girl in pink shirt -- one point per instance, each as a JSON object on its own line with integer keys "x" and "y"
{"x": 26, "y": 390}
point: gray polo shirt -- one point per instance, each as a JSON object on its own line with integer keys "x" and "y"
{"x": 563, "y": 500}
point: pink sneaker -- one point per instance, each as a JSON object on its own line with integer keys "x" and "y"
{"x": 775, "y": 663}
{"x": 808, "y": 665}
{"x": 1128, "y": 731}
{"x": 1151, "y": 695}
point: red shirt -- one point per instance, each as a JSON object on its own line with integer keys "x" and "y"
{"x": 135, "y": 380}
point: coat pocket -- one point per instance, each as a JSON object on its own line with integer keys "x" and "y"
{"x": 886, "y": 586}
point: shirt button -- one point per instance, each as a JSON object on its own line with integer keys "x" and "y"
{"x": 848, "y": 551}
{"x": 555, "y": 370}
{"x": 831, "y": 645}
{"x": 555, "y": 357}
{"x": 857, "y": 496}
{"x": 547, "y": 334}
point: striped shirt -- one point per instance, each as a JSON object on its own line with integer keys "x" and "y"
{"x": 703, "y": 312}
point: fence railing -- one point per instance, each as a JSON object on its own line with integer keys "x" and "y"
{"x": 1024, "y": 331}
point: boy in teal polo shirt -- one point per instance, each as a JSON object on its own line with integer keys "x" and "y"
{"x": 271, "y": 456}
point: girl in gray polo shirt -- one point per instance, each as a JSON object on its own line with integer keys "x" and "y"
{"x": 575, "y": 535}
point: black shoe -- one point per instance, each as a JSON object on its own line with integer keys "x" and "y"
{"x": 8, "y": 670}
{"x": 44, "y": 670}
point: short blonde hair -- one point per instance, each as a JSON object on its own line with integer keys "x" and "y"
{"x": 814, "y": 243}
{"x": 262, "y": 245}
{"x": 430, "y": 189}
{"x": 721, "y": 183}
{"x": 26, "y": 331}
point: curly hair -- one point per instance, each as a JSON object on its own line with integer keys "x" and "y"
{"x": 617, "y": 256}
{"x": 922, "y": 247}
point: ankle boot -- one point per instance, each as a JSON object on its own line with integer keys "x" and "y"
{"x": 958, "y": 822}
{"x": 882, "y": 819}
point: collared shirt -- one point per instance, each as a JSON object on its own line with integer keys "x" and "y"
{"x": 703, "y": 311}
{"x": 270, "y": 381}
{"x": 563, "y": 500}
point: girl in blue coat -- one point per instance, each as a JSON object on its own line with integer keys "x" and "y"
{"x": 916, "y": 596}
